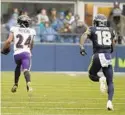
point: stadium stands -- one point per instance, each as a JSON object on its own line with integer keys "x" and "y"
{"x": 63, "y": 25}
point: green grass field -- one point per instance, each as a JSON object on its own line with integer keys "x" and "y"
{"x": 59, "y": 94}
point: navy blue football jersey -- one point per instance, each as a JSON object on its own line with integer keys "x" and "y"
{"x": 101, "y": 38}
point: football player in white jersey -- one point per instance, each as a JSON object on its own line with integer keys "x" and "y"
{"x": 22, "y": 36}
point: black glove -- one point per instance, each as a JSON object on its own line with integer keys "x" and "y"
{"x": 82, "y": 51}
{"x": 5, "y": 51}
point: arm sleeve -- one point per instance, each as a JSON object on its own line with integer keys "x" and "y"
{"x": 34, "y": 32}
{"x": 12, "y": 29}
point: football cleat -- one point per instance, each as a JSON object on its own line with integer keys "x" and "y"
{"x": 14, "y": 88}
{"x": 109, "y": 105}
{"x": 29, "y": 88}
{"x": 103, "y": 87}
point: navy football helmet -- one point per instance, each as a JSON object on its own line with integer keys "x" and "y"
{"x": 100, "y": 20}
{"x": 24, "y": 21}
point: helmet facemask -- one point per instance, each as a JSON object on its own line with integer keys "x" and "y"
{"x": 100, "y": 20}
{"x": 24, "y": 21}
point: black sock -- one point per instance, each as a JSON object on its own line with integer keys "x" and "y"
{"x": 110, "y": 91}
{"x": 108, "y": 72}
{"x": 27, "y": 76}
{"x": 17, "y": 75}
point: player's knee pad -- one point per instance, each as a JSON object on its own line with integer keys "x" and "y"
{"x": 25, "y": 70}
{"x": 27, "y": 76}
{"x": 94, "y": 78}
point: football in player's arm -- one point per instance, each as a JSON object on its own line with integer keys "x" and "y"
{"x": 6, "y": 47}
{"x": 103, "y": 40}
{"x": 7, "y": 44}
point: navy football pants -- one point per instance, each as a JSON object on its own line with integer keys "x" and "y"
{"x": 95, "y": 67}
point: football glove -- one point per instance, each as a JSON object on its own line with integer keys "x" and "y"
{"x": 82, "y": 51}
{"x": 5, "y": 51}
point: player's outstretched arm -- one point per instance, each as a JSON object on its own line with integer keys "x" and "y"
{"x": 82, "y": 41}
{"x": 6, "y": 47}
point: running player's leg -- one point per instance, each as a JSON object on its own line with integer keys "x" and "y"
{"x": 108, "y": 72}
{"x": 94, "y": 68}
{"x": 26, "y": 64}
{"x": 17, "y": 73}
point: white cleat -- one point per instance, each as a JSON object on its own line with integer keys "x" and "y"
{"x": 110, "y": 105}
{"x": 29, "y": 89}
{"x": 103, "y": 85}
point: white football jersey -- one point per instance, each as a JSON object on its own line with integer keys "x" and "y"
{"x": 22, "y": 39}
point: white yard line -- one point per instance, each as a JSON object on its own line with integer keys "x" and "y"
{"x": 76, "y": 108}
{"x": 61, "y": 108}
{"x": 59, "y": 97}
{"x": 65, "y": 86}
{"x": 75, "y": 90}
{"x": 69, "y": 72}
{"x": 13, "y": 107}
{"x": 51, "y": 102}
{"x": 49, "y": 114}
{"x": 76, "y": 72}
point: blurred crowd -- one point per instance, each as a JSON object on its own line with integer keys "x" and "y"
{"x": 52, "y": 26}
{"x": 66, "y": 27}
{"x": 116, "y": 20}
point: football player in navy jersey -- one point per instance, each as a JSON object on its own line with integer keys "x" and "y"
{"x": 103, "y": 40}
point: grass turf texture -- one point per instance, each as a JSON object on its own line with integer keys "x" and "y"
{"x": 59, "y": 94}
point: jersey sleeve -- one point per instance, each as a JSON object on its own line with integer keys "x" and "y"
{"x": 34, "y": 32}
{"x": 12, "y": 29}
